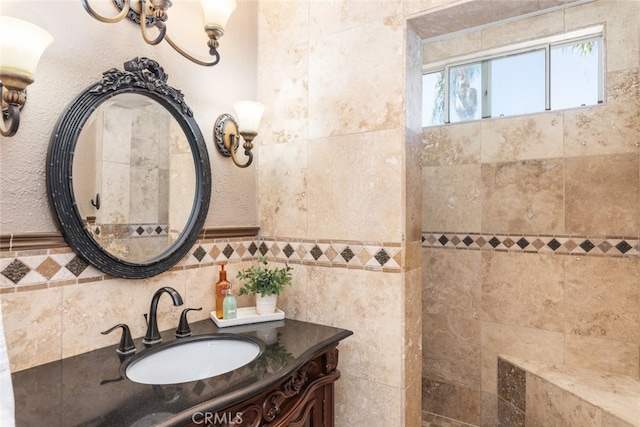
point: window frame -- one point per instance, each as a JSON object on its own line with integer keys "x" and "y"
{"x": 547, "y": 44}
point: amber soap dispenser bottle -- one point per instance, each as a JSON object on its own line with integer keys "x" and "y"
{"x": 222, "y": 286}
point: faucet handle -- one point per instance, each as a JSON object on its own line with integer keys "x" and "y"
{"x": 126, "y": 346}
{"x": 183, "y": 328}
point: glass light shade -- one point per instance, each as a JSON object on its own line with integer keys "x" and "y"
{"x": 217, "y": 12}
{"x": 249, "y": 115}
{"x": 21, "y": 46}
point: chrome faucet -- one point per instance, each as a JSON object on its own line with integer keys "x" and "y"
{"x": 153, "y": 335}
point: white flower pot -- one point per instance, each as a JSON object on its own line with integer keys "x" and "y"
{"x": 266, "y": 304}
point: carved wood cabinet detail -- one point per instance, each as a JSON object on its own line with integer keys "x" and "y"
{"x": 303, "y": 399}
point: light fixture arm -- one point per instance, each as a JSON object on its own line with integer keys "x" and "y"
{"x": 159, "y": 16}
{"x": 227, "y": 138}
{"x": 96, "y": 15}
{"x": 212, "y": 51}
{"x": 159, "y": 9}
{"x": 12, "y": 102}
{"x": 248, "y": 145}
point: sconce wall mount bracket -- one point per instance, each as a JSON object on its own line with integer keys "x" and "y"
{"x": 224, "y": 133}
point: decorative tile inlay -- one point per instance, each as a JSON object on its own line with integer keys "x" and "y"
{"x": 571, "y": 245}
{"x": 16, "y": 271}
{"x": 227, "y": 251}
{"x": 48, "y": 268}
{"x": 316, "y": 252}
{"x": 77, "y": 265}
{"x": 59, "y": 265}
{"x": 140, "y": 230}
{"x": 554, "y": 244}
{"x": 253, "y": 248}
{"x": 347, "y": 254}
{"x": 199, "y": 253}
{"x": 624, "y": 247}
{"x": 288, "y": 251}
{"x": 512, "y": 384}
{"x": 263, "y": 249}
{"x": 382, "y": 257}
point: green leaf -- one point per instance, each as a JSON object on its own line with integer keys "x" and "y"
{"x": 263, "y": 280}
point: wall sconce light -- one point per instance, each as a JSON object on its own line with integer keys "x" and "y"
{"x": 21, "y": 46}
{"x": 227, "y": 132}
{"x": 216, "y": 15}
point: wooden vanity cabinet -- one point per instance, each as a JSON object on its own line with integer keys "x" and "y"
{"x": 303, "y": 399}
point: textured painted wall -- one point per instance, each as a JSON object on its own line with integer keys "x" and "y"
{"x": 82, "y": 49}
{"x": 57, "y": 313}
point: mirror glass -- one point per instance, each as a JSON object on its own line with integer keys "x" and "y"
{"x": 128, "y": 174}
{"x": 137, "y": 174}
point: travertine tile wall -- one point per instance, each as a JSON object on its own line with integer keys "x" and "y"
{"x": 572, "y": 175}
{"x": 338, "y": 159}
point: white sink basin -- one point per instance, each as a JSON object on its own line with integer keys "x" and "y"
{"x": 192, "y": 359}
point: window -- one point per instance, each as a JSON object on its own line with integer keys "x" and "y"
{"x": 544, "y": 75}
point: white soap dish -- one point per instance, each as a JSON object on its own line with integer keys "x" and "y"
{"x": 247, "y": 315}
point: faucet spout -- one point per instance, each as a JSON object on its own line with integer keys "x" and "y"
{"x": 153, "y": 334}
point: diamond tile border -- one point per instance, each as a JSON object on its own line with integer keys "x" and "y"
{"x": 534, "y": 243}
{"x": 27, "y": 270}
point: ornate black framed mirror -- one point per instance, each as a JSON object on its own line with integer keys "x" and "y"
{"x": 128, "y": 173}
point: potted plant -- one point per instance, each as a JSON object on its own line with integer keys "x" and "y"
{"x": 265, "y": 283}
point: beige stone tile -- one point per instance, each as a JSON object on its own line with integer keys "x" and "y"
{"x": 451, "y": 350}
{"x": 285, "y": 23}
{"x": 284, "y": 90}
{"x": 451, "y": 198}
{"x": 120, "y": 302}
{"x": 413, "y": 256}
{"x": 607, "y": 129}
{"x": 342, "y": 15}
{"x": 200, "y": 291}
{"x": 467, "y": 14}
{"x": 371, "y": 305}
{"x": 489, "y": 410}
{"x": 451, "y": 47}
{"x": 283, "y": 189}
{"x": 528, "y": 343}
{"x": 451, "y": 283}
{"x": 363, "y": 403}
{"x": 602, "y": 298}
{"x": 614, "y": 393}
{"x": 602, "y": 195}
{"x": 535, "y": 136}
{"x": 602, "y": 355}
{"x": 451, "y": 400}
{"x": 32, "y": 323}
{"x": 413, "y": 189}
{"x": 293, "y": 301}
{"x": 413, "y": 323}
{"x": 523, "y": 289}
{"x": 353, "y": 186}
{"x": 523, "y": 197}
{"x": 413, "y": 82}
{"x": 550, "y": 405}
{"x": 451, "y": 144}
{"x": 623, "y": 50}
{"x": 522, "y": 30}
{"x": 412, "y": 416}
{"x": 346, "y": 102}
{"x": 609, "y": 420}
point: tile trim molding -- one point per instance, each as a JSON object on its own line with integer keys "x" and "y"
{"x": 34, "y": 269}
{"x": 610, "y": 246}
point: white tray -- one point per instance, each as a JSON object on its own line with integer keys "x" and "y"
{"x": 247, "y": 315}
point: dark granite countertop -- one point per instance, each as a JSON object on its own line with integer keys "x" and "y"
{"x": 89, "y": 390}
